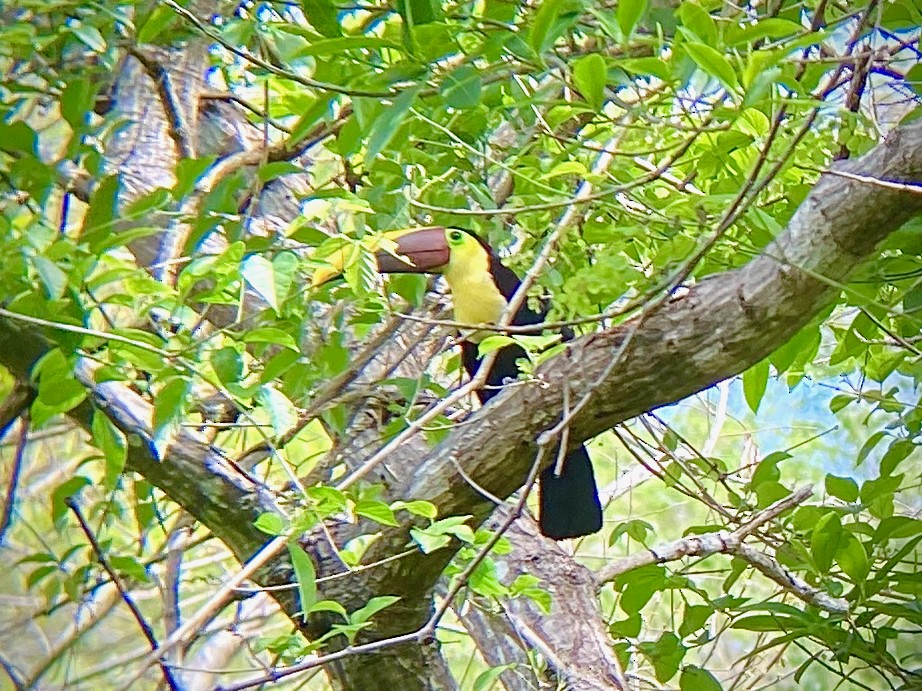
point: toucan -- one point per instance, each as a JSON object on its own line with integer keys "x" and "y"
{"x": 481, "y": 287}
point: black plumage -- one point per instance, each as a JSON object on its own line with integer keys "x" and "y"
{"x": 568, "y": 504}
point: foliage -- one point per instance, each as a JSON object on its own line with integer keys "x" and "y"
{"x": 665, "y": 138}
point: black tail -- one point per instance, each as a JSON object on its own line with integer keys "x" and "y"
{"x": 568, "y": 506}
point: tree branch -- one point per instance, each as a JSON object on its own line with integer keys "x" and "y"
{"x": 719, "y": 328}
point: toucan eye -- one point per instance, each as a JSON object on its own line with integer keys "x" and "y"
{"x": 456, "y": 236}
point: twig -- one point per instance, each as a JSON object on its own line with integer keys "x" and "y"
{"x": 867, "y": 179}
{"x": 426, "y": 632}
{"x": 179, "y": 129}
{"x": 330, "y": 391}
{"x": 10, "y": 501}
{"x": 731, "y": 543}
{"x": 73, "y": 328}
{"x": 90, "y": 613}
{"x": 126, "y": 597}
{"x": 333, "y": 576}
{"x": 268, "y": 66}
{"x": 171, "y": 578}
{"x": 224, "y": 595}
{"x": 241, "y": 101}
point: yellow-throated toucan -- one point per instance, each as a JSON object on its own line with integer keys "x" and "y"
{"x": 481, "y": 286}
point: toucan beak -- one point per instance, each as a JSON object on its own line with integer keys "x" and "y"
{"x": 415, "y": 250}
{"x": 425, "y": 249}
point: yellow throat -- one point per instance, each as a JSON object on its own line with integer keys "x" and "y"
{"x": 476, "y": 298}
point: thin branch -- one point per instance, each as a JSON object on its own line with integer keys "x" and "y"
{"x": 126, "y": 597}
{"x": 178, "y": 128}
{"x": 426, "y": 632}
{"x": 724, "y": 542}
{"x": 868, "y": 179}
{"x": 217, "y": 601}
{"x": 72, "y": 328}
{"x": 9, "y": 503}
{"x": 268, "y": 66}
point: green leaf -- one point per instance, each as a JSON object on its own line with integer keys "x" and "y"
{"x": 283, "y": 415}
{"x": 868, "y": 446}
{"x": 626, "y": 628}
{"x": 89, "y": 35}
{"x": 629, "y": 14}
{"x": 768, "y": 622}
{"x": 885, "y": 485}
{"x": 329, "y": 500}
{"x": 591, "y": 77}
{"x": 844, "y": 488}
{"x": 101, "y": 213}
{"x": 227, "y": 364}
{"x": 277, "y": 169}
{"x": 767, "y": 27}
{"x": 58, "y": 391}
{"x": 488, "y": 679}
{"x": 417, "y": 508}
{"x": 306, "y": 575}
{"x": 158, "y": 20}
{"x": 643, "y": 585}
{"x": 839, "y": 402}
{"x": 188, "y": 172}
{"x": 527, "y": 585}
{"x": 337, "y": 46}
{"x": 329, "y": 606}
{"x": 18, "y": 137}
{"x": 428, "y": 542}
{"x": 155, "y": 199}
{"x": 714, "y": 63}
{"x": 825, "y": 540}
{"x": 322, "y": 15}
{"x": 59, "y": 496}
{"x": 170, "y": 402}
{"x": 485, "y": 581}
{"x": 285, "y": 265}
{"x": 493, "y": 342}
{"x": 695, "y": 618}
{"x": 417, "y": 12}
{"x": 897, "y": 528}
{"x": 539, "y": 34}
{"x": 767, "y": 470}
{"x": 129, "y": 567}
{"x": 52, "y": 277}
{"x": 635, "y": 528}
{"x": 697, "y": 679}
{"x": 109, "y": 439}
{"x": 461, "y": 88}
{"x": 270, "y": 334}
{"x": 270, "y": 523}
{"x": 377, "y": 511}
{"x": 770, "y": 492}
{"x": 853, "y": 558}
{"x": 388, "y": 123}
{"x": 260, "y": 274}
{"x": 699, "y": 21}
{"x": 898, "y": 452}
{"x": 665, "y": 654}
{"x": 76, "y": 102}
{"x": 755, "y": 381}
{"x": 439, "y": 534}
{"x": 375, "y": 605}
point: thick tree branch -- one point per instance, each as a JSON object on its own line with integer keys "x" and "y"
{"x": 722, "y": 326}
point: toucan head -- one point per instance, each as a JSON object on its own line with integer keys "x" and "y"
{"x": 435, "y": 249}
